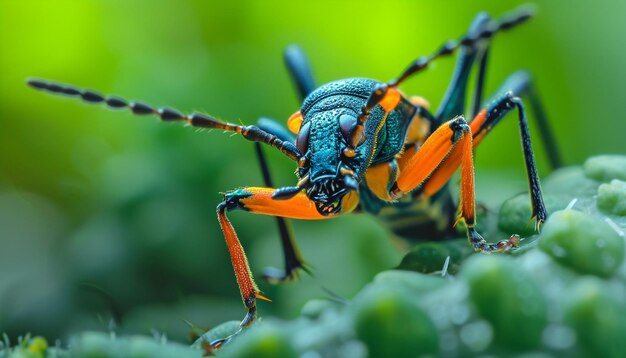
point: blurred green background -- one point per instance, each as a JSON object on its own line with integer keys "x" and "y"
{"x": 108, "y": 217}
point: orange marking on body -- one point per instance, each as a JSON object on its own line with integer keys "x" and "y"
{"x": 390, "y": 100}
{"x": 246, "y": 283}
{"x": 416, "y": 168}
{"x": 418, "y": 130}
{"x": 378, "y": 178}
{"x": 295, "y": 122}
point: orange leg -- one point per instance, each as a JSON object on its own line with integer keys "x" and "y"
{"x": 431, "y": 166}
{"x": 259, "y": 201}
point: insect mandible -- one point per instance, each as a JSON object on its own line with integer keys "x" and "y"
{"x": 362, "y": 145}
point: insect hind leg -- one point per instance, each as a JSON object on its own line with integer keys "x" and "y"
{"x": 481, "y": 31}
{"x": 429, "y": 169}
{"x": 521, "y": 84}
{"x": 484, "y": 122}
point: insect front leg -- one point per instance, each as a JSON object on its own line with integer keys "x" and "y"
{"x": 291, "y": 252}
{"x": 302, "y": 76}
{"x": 260, "y": 201}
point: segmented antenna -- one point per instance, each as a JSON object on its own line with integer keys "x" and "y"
{"x": 468, "y": 40}
{"x": 508, "y": 21}
{"x": 201, "y": 120}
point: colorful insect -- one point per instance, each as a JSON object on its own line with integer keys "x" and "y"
{"x": 362, "y": 145}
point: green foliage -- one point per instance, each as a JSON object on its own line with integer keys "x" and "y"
{"x": 96, "y": 345}
{"x": 605, "y": 168}
{"x": 584, "y": 243}
{"x": 534, "y": 303}
{"x": 536, "y": 300}
{"x": 596, "y": 311}
{"x": 430, "y": 256}
{"x": 222, "y": 331}
{"x": 102, "y": 345}
{"x": 612, "y": 197}
{"x": 391, "y": 324}
{"x": 509, "y": 299}
{"x": 266, "y": 342}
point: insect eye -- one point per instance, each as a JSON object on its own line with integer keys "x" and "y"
{"x": 302, "y": 141}
{"x": 347, "y": 124}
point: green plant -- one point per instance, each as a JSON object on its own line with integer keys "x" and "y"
{"x": 561, "y": 293}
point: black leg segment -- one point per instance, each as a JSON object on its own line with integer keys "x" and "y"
{"x": 494, "y": 113}
{"x": 291, "y": 253}
{"x": 520, "y": 83}
{"x": 453, "y": 102}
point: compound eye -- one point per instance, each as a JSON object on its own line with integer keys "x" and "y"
{"x": 347, "y": 124}
{"x": 302, "y": 141}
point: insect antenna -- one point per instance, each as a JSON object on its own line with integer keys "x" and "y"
{"x": 507, "y": 22}
{"x": 472, "y": 39}
{"x": 200, "y": 120}
{"x": 113, "y": 102}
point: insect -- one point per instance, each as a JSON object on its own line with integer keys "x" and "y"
{"x": 363, "y": 145}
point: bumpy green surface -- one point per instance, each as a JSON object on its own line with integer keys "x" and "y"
{"x": 509, "y": 299}
{"x": 596, "y": 311}
{"x": 605, "y": 168}
{"x": 612, "y": 197}
{"x": 563, "y": 293}
{"x": 271, "y": 341}
{"x": 391, "y": 324}
{"x": 584, "y": 243}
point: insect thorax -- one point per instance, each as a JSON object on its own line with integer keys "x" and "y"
{"x": 322, "y": 109}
